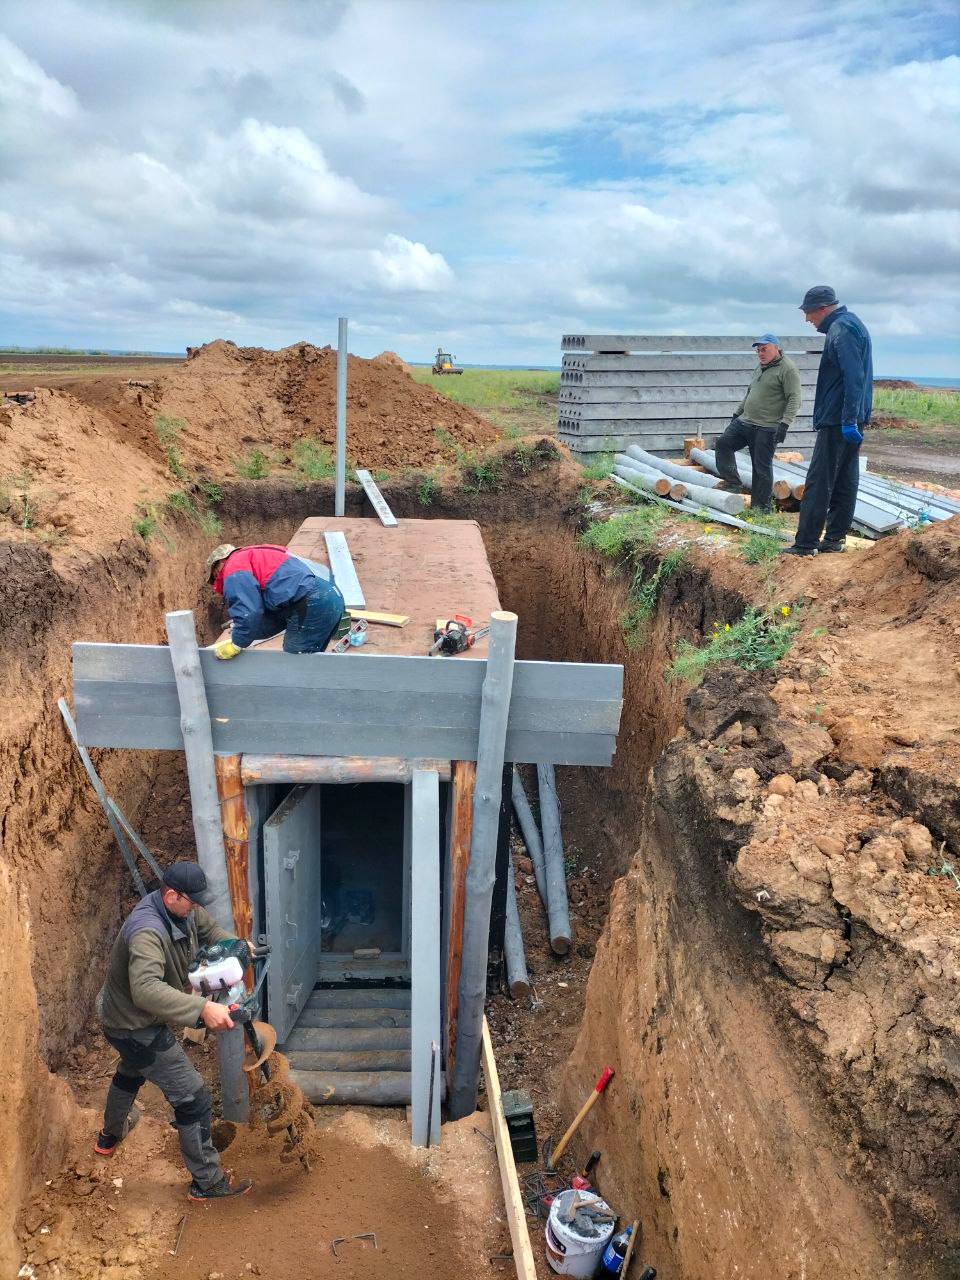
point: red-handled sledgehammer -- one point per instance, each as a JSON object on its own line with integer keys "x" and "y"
{"x": 552, "y": 1155}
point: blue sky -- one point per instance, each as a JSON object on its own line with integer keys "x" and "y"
{"x": 483, "y": 175}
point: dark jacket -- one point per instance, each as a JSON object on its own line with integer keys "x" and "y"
{"x": 259, "y": 585}
{"x": 146, "y": 981}
{"x": 845, "y": 380}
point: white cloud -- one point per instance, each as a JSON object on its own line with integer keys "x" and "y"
{"x": 403, "y": 264}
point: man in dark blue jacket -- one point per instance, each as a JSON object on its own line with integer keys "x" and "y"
{"x": 841, "y": 410}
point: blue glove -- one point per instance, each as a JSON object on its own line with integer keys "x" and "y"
{"x": 852, "y": 433}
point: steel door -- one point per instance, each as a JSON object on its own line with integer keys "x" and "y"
{"x": 291, "y": 862}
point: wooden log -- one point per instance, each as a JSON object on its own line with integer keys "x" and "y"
{"x": 799, "y": 489}
{"x": 523, "y": 1259}
{"x": 781, "y": 489}
{"x": 531, "y": 836}
{"x": 481, "y": 874}
{"x": 673, "y": 469}
{"x": 258, "y": 769}
{"x": 236, "y": 842}
{"x": 351, "y": 1060}
{"x": 313, "y": 1016}
{"x": 643, "y": 476}
{"x": 330, "y": 1039}
{"x": 558, "y": 910}
{"x": 693, "y": 442}
{"x": 424, "y": 1015}
{"x": 518, "y": 980}
{"x": 464, "y": 782}
{"x": 359, "y": 998}
{"x": 358, "y": 1088}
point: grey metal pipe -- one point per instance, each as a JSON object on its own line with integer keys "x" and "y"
{"x": 362, "y": 1088}
{"x": 528, "y": 829}
{"x": 518, "y": 980}
{"x": 341, "y": 458}
{"x": 672, "y": 468}
{"x": 481, "y": 873}
{"x": 558, "y": 909}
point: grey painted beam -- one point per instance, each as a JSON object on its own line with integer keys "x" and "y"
{"x": 425, "y": 1033}
{"x": 358, "y": 1088}
{"x": 518, "y": 980}
{"x": 342, "y": 569}
{"x": 662, "y": 363}
{"x": 531, "y": 836}
{"x": 340, "y": 467}
{"x": 351, "y": 1060}
{"x": 686, "y": 475}
{"x": 682, "y": 342}
{"x": 557, "y": 906}
{"x": 481, "y": 873}
{"x": 346, "y": 1016}
{"x": 377, "y": 500}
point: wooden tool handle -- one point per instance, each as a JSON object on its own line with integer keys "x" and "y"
{"x": 635, "y": 1231}
{"x": 598, "y": 1088}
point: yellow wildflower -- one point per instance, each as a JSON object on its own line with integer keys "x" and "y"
{"x": 785, "y": 610}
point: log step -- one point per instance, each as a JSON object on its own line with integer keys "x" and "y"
{"x": 366, "y": 1088}
{"x": 350, "y": 1060}
{"x": 342, "y": 1039}
{"x": 378, "y": 1017}
{"x": 360, "y": 998}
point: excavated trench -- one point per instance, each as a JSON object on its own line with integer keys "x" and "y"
{"x": 721, "y": 1132}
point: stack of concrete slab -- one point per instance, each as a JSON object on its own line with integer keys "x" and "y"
{"x": 619, "y": 390}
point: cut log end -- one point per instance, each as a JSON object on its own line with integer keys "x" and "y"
{"x": 799, "y": 490}
{"x": 678, "y": 492}
{"x": 560, "y": 945}
{"x": 781, "y": 489}
{"x": 662, "y": 487}
{"x": 519, "y": 990}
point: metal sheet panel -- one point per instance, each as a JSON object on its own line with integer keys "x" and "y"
{"x": 344, "y": 574}
{"x": 292, "y": 879}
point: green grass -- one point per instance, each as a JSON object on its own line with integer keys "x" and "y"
{"x": 167, "y": 427}
{"x": 624, "y": 532}
{"x": 927, "y": 408}
{"x": 147, "y": 522}
{"x": 312, "y": 461}
{"x": 181, "y": 501}
{"x": 757, "y": 642}
{"x": 212, "y": 492}
{"x": 211, "y": 525}
{"x": 644, "y": 594}
{"x": 599, "y": 468}
{"x": 254, "y": 466}
{"x": 760, "y": 548}
{"x": 518, "y": 401}
{"x": 427, "y": 490}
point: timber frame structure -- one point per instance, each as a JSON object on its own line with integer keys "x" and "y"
{"x": 290, "y": 728}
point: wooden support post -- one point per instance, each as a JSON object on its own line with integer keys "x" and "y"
{"x": 512, "y": 1199}
{"x": 205, "y": 804}
{"x": 425, "y": 959}
{"x": 464, "y": 781}
{"x": 518, "y": 980}
{"x": 481, "y": 874}
{"x": 236, "y": 840}
{"x": 340, "y": 481}
{"x": 557, "y": 908}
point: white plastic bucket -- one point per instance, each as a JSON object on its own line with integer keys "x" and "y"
{"x": 568, "y": 1252}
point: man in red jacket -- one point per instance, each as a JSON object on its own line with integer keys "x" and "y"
{"x": 268, "y": 590}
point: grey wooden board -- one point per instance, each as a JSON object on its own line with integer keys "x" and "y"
{"x": 337, "y": 1038}
{"x": 335, "y": 967}
{"x": 746, "y": 362}
{"x": 291, "y": 860}
{"x": 266, "y": 702}
{"x": 377, "y": 500}
{"x": 338, "y": 1088}
{"x": 379, "y": 1017}
{"x": 351, "y": 1060}
{"x": 344, "y": 574}
{"x": 360, "y": 998}
{"x": 425, "y": 958}
{"x": 572, "y": 380}
{"x": 683, "y": 342}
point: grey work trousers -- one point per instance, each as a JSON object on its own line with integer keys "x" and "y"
{"x": 155, "y": 1054}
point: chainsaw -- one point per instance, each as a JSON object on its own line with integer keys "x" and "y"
{"x": 456, "y": 635}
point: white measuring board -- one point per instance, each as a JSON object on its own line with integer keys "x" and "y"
{"x": 377, "y": 500}
{"x": 344, "y": 574}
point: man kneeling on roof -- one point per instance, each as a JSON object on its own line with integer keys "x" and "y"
{"x": 145, "y": 992}
{"x": 269, "y": 590}
{"x": 761, "y": 420}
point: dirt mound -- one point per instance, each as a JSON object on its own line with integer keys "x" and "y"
{"x": 894, "y": 384}
{"x": 391, "y": 358}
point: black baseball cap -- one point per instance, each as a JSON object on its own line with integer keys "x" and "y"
{"x": 188, "y": 878}
{"x": 820, "y": 295}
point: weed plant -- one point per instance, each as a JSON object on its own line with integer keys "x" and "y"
{"x": 212, "y": 492}
{"x": 211, "y": 525}
{"x": 625, "y": 531}
{"x": 147, "y": 522}
{"x": 312, "y": 461}
{"x": 482, "y": 475}
{"x": 181, "y": 501}
{"x": 757, "y": 642}
{"x": 427, "y": 490}
{"x": 644, "y": 595}
{"x": 256, "y": 466}
{"x": 168, "y": 428}
{"x": 599, "y": 468}
{"x": 759, "y": 548}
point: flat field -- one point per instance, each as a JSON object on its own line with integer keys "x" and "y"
{"x": 519, "y": 401}
{"x": 22, "y": 371}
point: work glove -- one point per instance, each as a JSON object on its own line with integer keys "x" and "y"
{"x": 852, "y": 433}
{"x": 226, "y": 649}
{"x": 782, "y": 430}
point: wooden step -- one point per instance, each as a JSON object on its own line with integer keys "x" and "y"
{"x": 343, "y": 1039}
{"x": 350, "y": 1060}
{"x": 360, "y": 998}
{"x": 377, "y": 1017}
{"x": 370, "y": 1088}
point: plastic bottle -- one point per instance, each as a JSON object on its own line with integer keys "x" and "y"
{"x": 613, "y": 1254}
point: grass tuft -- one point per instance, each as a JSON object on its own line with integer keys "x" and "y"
{"x": 644, "y": 595}
{"x": 427, "y": 490}
{"x": 312, "y": 461}
{"x": 147, "y": 522}
{"x": 211, "y": 526}
{"x": 758, "y": 548}
{"x": 624, "y": 532}
{"x": 255, "y": 466}
{"x": 599, "y": 468}
{"x": 757, "y": 642}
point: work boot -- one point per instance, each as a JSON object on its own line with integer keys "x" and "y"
{"x": 221, "y": 1190}
{"x": 106, "y": 1143}
{"x": 827, "y": 545}
{"x": 798, "y": 551}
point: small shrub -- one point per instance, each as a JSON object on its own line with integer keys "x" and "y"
{"x": 254, "y": 467}
{"x": 644, "y": 594}
{"x": 313, "y": 461}
{"x": 482, "y": 476}
{"x": 522, "y": 455}
{"x": 427, "y": 490}
{"x": 212, "y": 492}
{"x": 756, "y": 643}
{"x": 210, "y": 524}
{"x": 167, "y": 428}
{"x": 181, "y": 501}
{"x": 175, "y": 462}
{"x": 381, "y": 475}
{"x": 147, "y": 522}
{"x": 622, "y": 532}
{"x": 758, "y": 548}
{"x": 599, "y": 468}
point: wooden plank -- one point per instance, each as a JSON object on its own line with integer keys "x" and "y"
{"x": 380, "y": 619}
{"x": 523, "y": 1260}
{"x": 359, "y": 1088}
{"x": 464, "y": 781}
{"x": 344, "y": 574}
{"x": 313, "y": 1016}
{"x": 316, "y": 1039}
{"x": 335, "y": 770}
{"x": 377, "y": 500}
{"x": 683, "y": 342}
{"x": 351, "y": 1060}
{"x": 745, "y": 362}
{"x": 360, "y": 998}
{"x": 426, "y": 1068}
{"x": 236, "y": 841}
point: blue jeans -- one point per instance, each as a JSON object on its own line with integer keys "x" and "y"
{"x": 313, "y": 620}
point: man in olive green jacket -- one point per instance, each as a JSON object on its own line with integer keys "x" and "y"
{"x": 145, "y": 990}
{"x": 761, "y": 420}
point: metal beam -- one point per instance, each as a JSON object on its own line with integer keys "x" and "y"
{"x": 425, "y": 1033}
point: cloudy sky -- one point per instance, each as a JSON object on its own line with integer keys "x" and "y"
{"x": 486, "y": 174}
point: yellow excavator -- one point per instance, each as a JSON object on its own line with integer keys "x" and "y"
{"x": 443, "y": 363}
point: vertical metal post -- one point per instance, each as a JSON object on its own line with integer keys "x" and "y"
{"x": 425, "y": 958}
{"x": 341, "y": 463}
{"x": 481, "y": 873}
{"x": 208, "y": 831}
